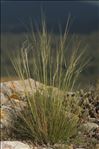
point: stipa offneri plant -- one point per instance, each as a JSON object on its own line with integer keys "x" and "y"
{"x": 45, "y": 120}
{"x": 47, "y": 60}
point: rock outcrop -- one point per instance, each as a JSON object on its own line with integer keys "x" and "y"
{"x": 13, "y": 96}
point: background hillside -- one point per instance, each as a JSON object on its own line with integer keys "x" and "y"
{"x": 15, "y": 15}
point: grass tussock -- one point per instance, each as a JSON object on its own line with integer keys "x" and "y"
{"x": 45, "y": 120}
{"x": 50, "y": 62}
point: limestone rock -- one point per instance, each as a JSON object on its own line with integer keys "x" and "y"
{"x": 19, "y": 145}
{"x": 90, "y": 126}
{"x": 13, "y": 145}
{"x": 23, "y": 85}
{"x": 13, "y": 97}
{"x": 3, "y": 98}
{"x": 5, "y": 117}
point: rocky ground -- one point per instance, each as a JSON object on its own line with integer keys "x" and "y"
{"x": 13, "y": 94}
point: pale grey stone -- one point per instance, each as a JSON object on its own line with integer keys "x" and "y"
{"x": 13, "y": 145}
{"x": 3, "y": 98}
{"x": 90, "y": 126}
{"x": 19, "y": 145}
